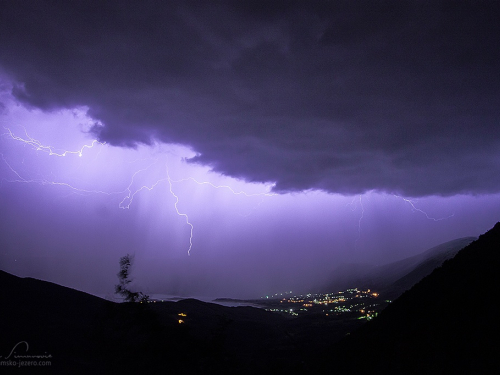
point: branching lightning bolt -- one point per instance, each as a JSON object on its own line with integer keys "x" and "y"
{"x": 354, "y": 206}
{"x": 267, "y": 194}
{"x": 42, "y": 181}
{"x": 21, "y": 179}
{"x": 38, "y": 146}
{"x": 180, "y": 213}
{"x": 128, "y": 192}
{"x": 410, "y": 202}
{"x": 360, "y": 218}
{"x": 130, "y": 196}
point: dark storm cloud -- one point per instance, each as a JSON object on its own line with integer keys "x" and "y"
{"x": 340, "y": 96}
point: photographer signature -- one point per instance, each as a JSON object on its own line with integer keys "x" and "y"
{"x": 20, "y": 345}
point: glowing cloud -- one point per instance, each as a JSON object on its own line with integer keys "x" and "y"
{"x": 161, "y": 207}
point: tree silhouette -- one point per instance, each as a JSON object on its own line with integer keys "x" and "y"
{"x": 124, "y": 279}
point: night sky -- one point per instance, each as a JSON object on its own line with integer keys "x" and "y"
{"x": 242, "y": 148}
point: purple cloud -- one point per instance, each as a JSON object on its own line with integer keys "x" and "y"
{"x": 344, "y": 97}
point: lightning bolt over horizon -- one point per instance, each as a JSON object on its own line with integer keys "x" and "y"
{"x": 131, "y": 190}
{"x": 353, "y": 205}
{"x": 38, "y": 146}
{"x": 42, "y": 181}
{"x": 360, "y": 218}
{"x": 267, "y": 194}
{"x": 358, "y": 200}
{"x": 130, "y": 195}
{"x": 178, "y": 212}
{"x": 128, "y": 192}
{"x": 414, "y": 208}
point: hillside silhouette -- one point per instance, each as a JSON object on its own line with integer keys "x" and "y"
{"x": 394, "y": 278}
{"x": 85, "y": 334}
{"x": 446, "y": 324}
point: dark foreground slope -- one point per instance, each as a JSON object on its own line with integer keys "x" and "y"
{"x": 407, "y": 272}
{"x": 81, "y": 334}
{"x": 445, "y": 324}
{"x": 394, "y": 278}
{"x": 52, "y": 319}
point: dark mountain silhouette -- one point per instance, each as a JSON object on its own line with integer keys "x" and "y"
{"x": 85, "y": 334}
{"x": 446, "y": 324}
{"x": 51, "y": 318}
{"x": 394, "y": 278}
